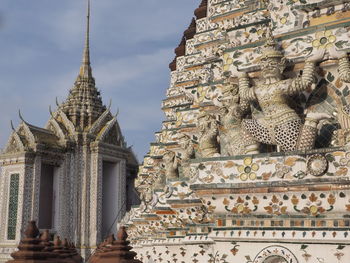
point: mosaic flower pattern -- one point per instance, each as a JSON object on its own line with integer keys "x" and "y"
{"x": 317, "y": 165}
{"x": 282, "y": 170}
{"x": 324, "y": 39}
{"x": 279, "y": 173}
{"x": 276, "y": 206}
{"x": 345, "y": 161}
{"x": 348, "y": 206}
{"x": 248, "y": 169}
{"x": 314, "y": 205}
{"x": 241, "y": 206}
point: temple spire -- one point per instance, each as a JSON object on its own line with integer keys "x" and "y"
{"x": 85, "y": 68}
{"x": 84, "y": 104}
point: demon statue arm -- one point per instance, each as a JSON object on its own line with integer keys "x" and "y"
{"x": 344, "y": 63}
{"x": 344, "y": 68}
{"x": 246, "y": 94}
{"x": 305, "y": 81}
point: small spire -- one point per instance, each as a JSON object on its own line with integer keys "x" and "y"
{"x": 32, "y": 231}
{"x": 85, "y": 68}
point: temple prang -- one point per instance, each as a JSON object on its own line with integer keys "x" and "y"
{"x": 251, "y": 164}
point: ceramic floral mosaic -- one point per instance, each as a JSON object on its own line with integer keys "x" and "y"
{"x": 254, "y": 153}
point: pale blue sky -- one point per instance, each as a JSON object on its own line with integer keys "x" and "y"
{"x": 132, "y": 43}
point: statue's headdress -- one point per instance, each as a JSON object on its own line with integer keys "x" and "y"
{"x": 270, "y": 48}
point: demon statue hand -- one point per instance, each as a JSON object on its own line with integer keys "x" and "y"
{"x": 342, "y": 135}
{"x": 171, "y": 165}
{"x": 280, "y": 124}
{"x": 234, "y": 140}
{"x": 344, "y": 64}
{"x": 208, "y": 136}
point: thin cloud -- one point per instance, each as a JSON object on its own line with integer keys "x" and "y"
{"x": 119, "y": 72}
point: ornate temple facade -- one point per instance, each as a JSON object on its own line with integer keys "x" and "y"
{"x": 252, "y": 162}
{"x": 74, "y": 177}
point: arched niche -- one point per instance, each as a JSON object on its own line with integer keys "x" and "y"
{"x": 275, "y": 254}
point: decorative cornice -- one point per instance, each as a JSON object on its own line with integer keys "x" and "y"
{"x": 97, "y": 126}
{"x": 107, "y": 128}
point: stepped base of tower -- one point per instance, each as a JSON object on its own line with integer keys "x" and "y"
{"x": 281, "y": 207}
{"x": 252, "y": 162}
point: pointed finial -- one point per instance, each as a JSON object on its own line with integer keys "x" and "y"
{"x": 13, "y": 127}
{"x": 32, "y": 231}
{"x": 116, "y": 115}
{"x": 270, "y": 48}
{"x": 20, "y": 116}
{"x": 110, "y": 104}
{"x": 270, "y": 40}
{"x": 57, "y": 241}
{"x": 86, "y": 58}
{"x": 85, "y": 68}
{"x": 50, "y": 110}
{"x": 57, "y": 103}
{"x": 45, "y": 236}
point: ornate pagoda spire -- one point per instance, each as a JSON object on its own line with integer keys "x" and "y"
{"x": 84, "y": 104}
{"x": 85, "y": 68}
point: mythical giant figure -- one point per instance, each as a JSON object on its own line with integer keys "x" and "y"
{"x": 187, "y": 153}
{"x": 171, "y": 165}
{"x": 280, "y": 125}
{"x": 160, "y": 180}
{"x": 145, "y": 190}
{"x": 233, "y": 140}
{"x": 208, "y": 135}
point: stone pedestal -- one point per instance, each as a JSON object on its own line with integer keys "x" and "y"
{"x": 116, "y": 251}
{"x": 30, "y": 248}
